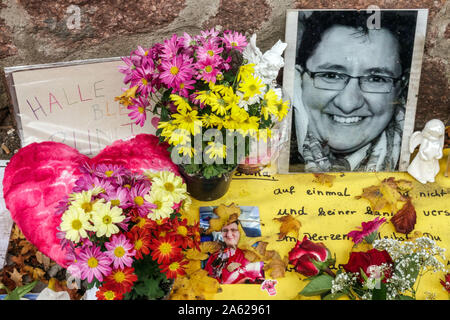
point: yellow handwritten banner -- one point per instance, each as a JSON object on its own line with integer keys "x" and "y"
{"x": 327, "y": 214}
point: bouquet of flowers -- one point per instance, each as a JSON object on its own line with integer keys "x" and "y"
{"x": 386, "y": 269}
{"x": 124, "y": 231}
{"x": 211, "y": 99}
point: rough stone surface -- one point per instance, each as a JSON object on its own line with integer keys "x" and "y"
{"x": 7, "y": 48}
{"x": 34, "y": 31}
{"x": 240, "y": 15}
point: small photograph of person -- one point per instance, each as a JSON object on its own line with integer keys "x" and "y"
{"x": 350, "y": 89}
{"x": 228, "y": 265}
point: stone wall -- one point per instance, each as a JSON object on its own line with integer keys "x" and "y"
{"x": 35, "y": 31}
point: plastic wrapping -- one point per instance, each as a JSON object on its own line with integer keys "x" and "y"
{"x": 73, "y": 103}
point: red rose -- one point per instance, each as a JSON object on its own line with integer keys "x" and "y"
{"x": 305, "y": 251}
{"x": 363, "y": 260}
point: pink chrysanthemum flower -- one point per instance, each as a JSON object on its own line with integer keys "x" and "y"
{"x": 120, "y": 251}
{"x": 176, "y": 70}
{"x": 188, "y": 42}
{"x": 89, "y": 182}
{"x": 108, "y": 171}
{"x": 368, "y": 232}
{"x": 119, "y": 197}
{"x": 93, "y": 263}
{"x": 184, "y": 87}
{"x": 171, "y": 47}
{"x": 234, "y": 40}
{"x": 137, "y": 200}
{"x": 207, "y": 69}
{"x": 142, "y": 78}
{"x": 138, "y": 110}
{"x": 209, "y": 49}
{"x": 208, "y": 34}
{"x": 127, "y": 70}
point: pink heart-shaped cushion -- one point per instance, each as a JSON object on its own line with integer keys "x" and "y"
{"x": 40, "y": 175}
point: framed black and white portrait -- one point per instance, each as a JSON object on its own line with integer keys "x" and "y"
{"x": 352, "y": 77}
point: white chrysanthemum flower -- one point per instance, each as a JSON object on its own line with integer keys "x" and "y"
{"x": 172, "y": 185}
{"x": 105, "y": 219}
{"x": 85, "y": 201}
{"x": 163, "y": 202}
{"x": 75, "y": 223}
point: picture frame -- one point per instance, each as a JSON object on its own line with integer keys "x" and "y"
{"x": 352, "y": 134}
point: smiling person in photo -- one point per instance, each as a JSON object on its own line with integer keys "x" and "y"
{"x": 350, "y": 89}
{"x": 229, "y": 265}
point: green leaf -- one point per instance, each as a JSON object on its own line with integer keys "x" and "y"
{"x": 333, "y": 296}
{"x": 210, "y": 171}
{"x": 19, "y": 292}
{"x": 191, "y": 168}
{"x": 379, "y": 294}
{"x": 403, "y": 297}
{"x": 318, "y": 286}
{"x": 94, "y": 282}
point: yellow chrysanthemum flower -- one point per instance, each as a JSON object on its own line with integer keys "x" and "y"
{"x": 216, "y": 150}
{"x": 282, "y": 108}
{"x": 168, "y": 129}
{"x": 189, "y": 121}
{"x": 181, "y": 103}
{"x": 205, "y": 96}
{"x": 179, "y": 136}
{"x": 219, "y": 106}
{"x": 186, "y": 150}
{"x": 231, "y": 98}
{"x": 238, "y": 113}
{"x": 249, "y": 126}
{"x": 219, "y": 88}
{"x": 251, "y": 87}
{"x": 211, "y": 120}
{"x": 75, "y": 223}
{"x": 245, "y": 71}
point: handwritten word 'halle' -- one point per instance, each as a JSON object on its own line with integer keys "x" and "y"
{"x": 41, "y": 108}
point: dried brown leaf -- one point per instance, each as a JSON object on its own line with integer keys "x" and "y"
{"x": 226, "y": 215}
{"x": 16, "y": 233}
{"x": 325, "y": 179}
{"x": 405, "y": 219}
{"x": 18, "y": 260}
{"x": 288, "y": 225}
{"x": 388, "y": 194}
{"x": 16, "y": 276}
{"x": 43, "y": 259}
{"x": 277, "y": 266}
{"x": 27, "y": 247}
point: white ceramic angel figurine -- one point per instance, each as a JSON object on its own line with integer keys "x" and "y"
{"x": 267, "y": 65}
{"x": 425, "y": 165}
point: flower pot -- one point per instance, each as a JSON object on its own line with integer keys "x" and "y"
{"x": 204, "y": 189}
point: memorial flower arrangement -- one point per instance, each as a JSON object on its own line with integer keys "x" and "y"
{"x": 124, "y": 232}
{"x": 197, "y": 83}
{"x": 383, "y": 269}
